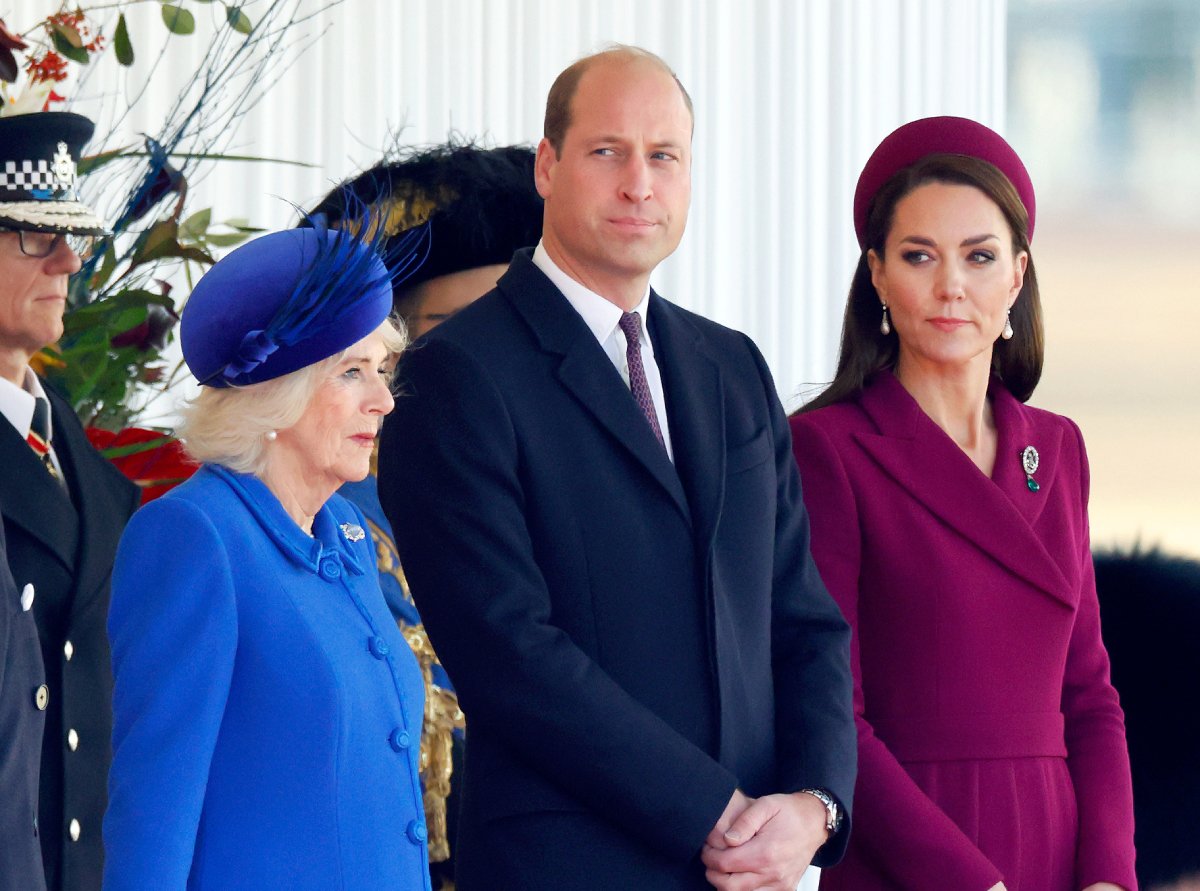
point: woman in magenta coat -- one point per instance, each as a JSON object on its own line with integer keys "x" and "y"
{"x": 949, "y": 520}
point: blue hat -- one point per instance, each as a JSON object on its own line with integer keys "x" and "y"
{"x": 283, "y": 302}
{"x": 38, "y": 154}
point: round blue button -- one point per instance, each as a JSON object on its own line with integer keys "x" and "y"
{"x": 330, "y": 569}
{"x": 378, "y": 647}
{"x": 399, "y": 739}
{"x": 417, "y": 833}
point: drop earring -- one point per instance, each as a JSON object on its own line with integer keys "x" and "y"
{"x": 1007, "y": 333}
{"x": 885, "y": 327}
{"x": 270, "y": 435}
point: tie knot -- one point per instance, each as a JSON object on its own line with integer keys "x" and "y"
{"x": 631, "y": 324}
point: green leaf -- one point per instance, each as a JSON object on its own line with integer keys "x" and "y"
{"x": 178, "y": 20}
{"x": 238, "y": 20}
{"x": 194, "y": 227}
{"x": 88, "y": 163}
{"x": 195, "y": 254}
{"x": 136, "y": 448}
{"x": 122, "y": 46}
{"x": 162, "y": 240}
{"x": 63, "y": 44}
{"x": 98, "y": 321}
{"x": 101, "y": 276}
{"x": 70, "y": 34}
{"x": 226, "y": 239}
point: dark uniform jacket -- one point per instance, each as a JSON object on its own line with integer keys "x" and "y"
{"x": 631, "y": 639}
{"x": 22, "y": 717}
{"x": 63, "y": 542}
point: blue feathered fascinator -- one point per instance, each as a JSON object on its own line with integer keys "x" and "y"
{"x": 289, "y": 299}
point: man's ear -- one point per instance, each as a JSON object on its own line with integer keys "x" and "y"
{"x": 543, "y": 167}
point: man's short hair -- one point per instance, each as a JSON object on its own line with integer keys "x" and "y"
{"x": 562, "y": 91}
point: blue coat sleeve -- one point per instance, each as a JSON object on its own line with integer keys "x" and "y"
{"x": 173, "y": 626}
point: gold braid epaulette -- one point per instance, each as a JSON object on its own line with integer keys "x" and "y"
{"x": 442, "y": 714}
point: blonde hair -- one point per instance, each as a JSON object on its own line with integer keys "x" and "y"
{"x": 229, "y": 425}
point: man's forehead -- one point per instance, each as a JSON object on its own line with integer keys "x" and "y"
{"x": 614, "y": 97}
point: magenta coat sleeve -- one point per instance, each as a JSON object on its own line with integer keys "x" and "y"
{"x": 896, "y": 822}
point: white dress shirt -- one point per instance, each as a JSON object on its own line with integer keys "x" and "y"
{"x": 16, "y": 404}
{"x": 602, "y": 317}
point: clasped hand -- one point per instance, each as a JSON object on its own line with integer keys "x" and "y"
{"x": 764, "y": 844}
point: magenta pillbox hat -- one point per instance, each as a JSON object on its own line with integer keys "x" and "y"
{"x": 938, "y": 136}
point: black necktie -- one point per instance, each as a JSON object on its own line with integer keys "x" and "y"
{"x": 39, "y": 433}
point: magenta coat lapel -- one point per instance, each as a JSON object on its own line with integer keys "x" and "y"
{"x": 996, "y": 515}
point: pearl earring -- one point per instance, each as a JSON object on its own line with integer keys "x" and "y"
{"x": 270, "y": 435}
{"x": 885, "y": 327}
{"x": 1007, "y": 333}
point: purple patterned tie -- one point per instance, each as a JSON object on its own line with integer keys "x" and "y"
{"x": 631, "y": 324}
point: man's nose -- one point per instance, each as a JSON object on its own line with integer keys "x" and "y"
{"x": 63, "y": 259}
{"x": 636, "y": 183}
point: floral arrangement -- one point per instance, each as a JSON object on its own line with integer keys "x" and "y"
{"x": 124, "y": 305}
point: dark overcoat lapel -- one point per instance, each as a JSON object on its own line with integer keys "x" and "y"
{"x": 908, "y": 444}
{"x": 588, "y": 374}
{"x": 25, "y": 482}
{"x": 695, "y": 411}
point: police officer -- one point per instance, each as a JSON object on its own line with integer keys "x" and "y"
{"x": 63, "y": 505}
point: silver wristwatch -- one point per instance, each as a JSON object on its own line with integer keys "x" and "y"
{"x": 833, "y": 813}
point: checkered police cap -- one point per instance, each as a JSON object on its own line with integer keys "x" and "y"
{"x": 38, "y": 155}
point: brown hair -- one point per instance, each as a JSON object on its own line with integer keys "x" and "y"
{"x": 562, "y": 91}
{"x": 865, "y": 351}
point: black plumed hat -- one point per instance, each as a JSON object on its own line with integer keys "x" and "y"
{"x": 481, "y": 203}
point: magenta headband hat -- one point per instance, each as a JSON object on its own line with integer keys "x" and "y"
{"x": 938, "y": 136}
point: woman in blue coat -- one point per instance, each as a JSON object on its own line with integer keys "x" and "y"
{"x": 268, "y": 711}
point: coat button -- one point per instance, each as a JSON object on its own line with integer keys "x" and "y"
{"x": 417, "y": 832}
{"x": 74, "y": 830}
{"x": 378, "y": 647}
{"x": 68, "y": 650}
{"x": 72, "y": 739}
{"x": 41, "y": 697}
{"x": 330, "y": 570}
{"x": 399, "y": 739}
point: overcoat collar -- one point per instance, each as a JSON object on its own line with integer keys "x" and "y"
{"x": 997, "y": 515}
{"x": 328, "y": 538}
{"x": 586, "y": 371}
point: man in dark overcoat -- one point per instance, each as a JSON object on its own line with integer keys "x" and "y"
{"x": 595, "y": 501}
{"x": 23, "y": 697}
{"x": 63, "y": 505}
